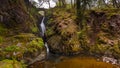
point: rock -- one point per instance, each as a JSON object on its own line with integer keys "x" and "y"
{"x": 25, "y": 46}
{"x": 41, "y": 13}
{"x": 65, "y": 39}
{"x": 40, "y": 57}
{"x": 1, "y": 18}
{"x": 11, "y": 64}
{"x": 109, "y": 60}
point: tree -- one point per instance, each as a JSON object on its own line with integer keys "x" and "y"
{"x": 62, "y": 3}
{"x": 116, "y": 3}
{"x": 81, "y": 6}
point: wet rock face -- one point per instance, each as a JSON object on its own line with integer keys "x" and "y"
{"x": 65, "y": 40}
{"x": 114, "y": 24}
{"x": 105, "y": 28}
{"x": 14, "y": 14}
{"x": 106, "y": 22}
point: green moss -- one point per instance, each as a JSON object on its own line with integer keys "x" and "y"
{"x": 100, "y": 41}
{"x": 11, "y": 51}
{"x": 35, "y": 44}
{"x": 2, "y": 29}
{"x": 98, "y": 49}
{"x": 64, "y": 13}
{"x": 116, "y": 49}
{"x": 12, "y": 48}
{"x": 111, "y": 10}
{"x": 108, "y": 10}
{"x": 33, "y": 10}
{"x": 49, "y": 32}
{"x": 109, "y": 15}
{"x": 11, "y": 64}
{"x": 16, "y": 46}
{"x": 35, "y": 29}
{"x": 1, "y": 39}
{"x": 24, "y": 37}
{"x": 14, "y": 1}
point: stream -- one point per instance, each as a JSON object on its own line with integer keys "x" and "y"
{"x": 72, "y": 62}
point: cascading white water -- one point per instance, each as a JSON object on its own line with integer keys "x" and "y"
{"x": 43, "y": 30}
{"x": 42, "y": 25}
{"x": 47, "y": 49}
{"x": 45, "y": 4}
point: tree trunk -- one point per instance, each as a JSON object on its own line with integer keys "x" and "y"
{"x": 63, "y": 3}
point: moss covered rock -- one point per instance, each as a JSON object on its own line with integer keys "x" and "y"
{"x": 24, "y": 46}
{"x": 63, "y": 37}
{"x": 102, "y": 31}
{"x": 11, "y": 64}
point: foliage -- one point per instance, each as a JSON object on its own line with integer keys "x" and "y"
{"x": 34, "y": 29}
{"x": 83, "y": 39}
{"x": 12, "y": 48}
{"x": 21, "y": 44}
{"x": 24, "y": 36}
{"x": 50, "y": 31}
{"x": 1, "y": 39}
{"x": 2, "y": 29}
{"x": 35, "y": 44}
{"x": 11, "y": 64}
{"x": 33, "y": 10}
{"x": 98, "y": 49}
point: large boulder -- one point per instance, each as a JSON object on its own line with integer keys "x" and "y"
{"x": 63, "y": 37}
{"x": 15, "y": 15}
{"x": 25, "y": 47}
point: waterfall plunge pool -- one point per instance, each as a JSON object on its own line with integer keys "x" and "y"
{"x": 72, "y": 62}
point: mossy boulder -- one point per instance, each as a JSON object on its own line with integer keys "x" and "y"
{"x": 18, "y": 17}
{"x": 11, "y": 64}
{"x": 101, "y": 33}
{"x": 18, "y": 30}
{"x": 63, "y": 38}
{"x": 24, "y": 46}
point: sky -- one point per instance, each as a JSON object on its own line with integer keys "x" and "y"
{"x": 45, "y": 5}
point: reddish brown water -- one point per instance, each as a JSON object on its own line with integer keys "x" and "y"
{"x": 73, "y": 62}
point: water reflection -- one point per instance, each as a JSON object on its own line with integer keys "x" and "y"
{"x": 73, "y": 62}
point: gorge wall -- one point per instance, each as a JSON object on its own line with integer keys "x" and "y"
{"x": 100, "y": 33}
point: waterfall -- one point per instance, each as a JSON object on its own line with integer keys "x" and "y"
{"x": 42, "y": 25}
{"x": 47, "y": 49}
{"x": 43, "y": 30}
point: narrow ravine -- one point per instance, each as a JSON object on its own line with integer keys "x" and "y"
{"x": 45, "y": 54}
{"x": 60, "y": 34}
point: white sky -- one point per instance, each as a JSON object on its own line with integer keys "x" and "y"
{"x": 45, "y": 5}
